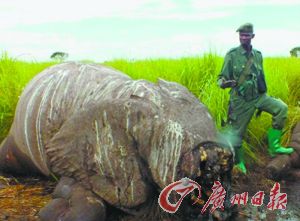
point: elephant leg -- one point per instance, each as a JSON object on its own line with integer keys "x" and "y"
{"x": 72, "y": 202}
{"x": 13, "y": 160}
{"x": 8, "y": 160}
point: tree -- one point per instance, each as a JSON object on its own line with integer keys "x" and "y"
{"x": 295, "y": 52}
{"x": 59, "y": 56}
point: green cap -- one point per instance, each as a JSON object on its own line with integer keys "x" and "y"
{"x": 248, "y": 28}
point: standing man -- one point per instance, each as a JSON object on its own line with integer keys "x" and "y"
{"x": 242, "y": 71}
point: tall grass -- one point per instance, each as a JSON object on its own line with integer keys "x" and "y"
{"x": 14, "y": 75}
{"x": 198, "y": 74}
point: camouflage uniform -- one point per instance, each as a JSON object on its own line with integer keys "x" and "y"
{"x": 251, "y": 95}
{"x": 243, "y": 72}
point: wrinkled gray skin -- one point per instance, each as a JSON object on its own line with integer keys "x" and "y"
{"x": 116, "y": 140}
{"x": 287, "y": 166}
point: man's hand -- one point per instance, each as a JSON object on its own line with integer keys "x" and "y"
{"x": 229, "y": 83}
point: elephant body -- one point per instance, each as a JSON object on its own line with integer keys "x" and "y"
{"x": 116, "y": 139}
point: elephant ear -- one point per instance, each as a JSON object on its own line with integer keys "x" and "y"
{"x": 96, "y": 148}
{"x": 166, "y": 152}
{"x": 176, "y": 91}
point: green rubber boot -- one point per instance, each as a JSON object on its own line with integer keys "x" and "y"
{"x": 240, "y": 162}
{"x": 274, "y": 146}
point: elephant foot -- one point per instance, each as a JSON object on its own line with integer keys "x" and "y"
{"x": 72, "y": 202}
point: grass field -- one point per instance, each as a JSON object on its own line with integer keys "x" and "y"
{"x": 198, "y": 74}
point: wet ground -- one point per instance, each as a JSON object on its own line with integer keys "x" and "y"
{"x": 255, "y": 181}
{"x": 21, "y": 198}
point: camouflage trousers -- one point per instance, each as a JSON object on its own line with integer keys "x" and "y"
{"x": 240, "y": 113}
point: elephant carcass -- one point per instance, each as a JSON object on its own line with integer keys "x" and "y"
{"x": 287, "y": 166}
{"x": 114, "y": 141}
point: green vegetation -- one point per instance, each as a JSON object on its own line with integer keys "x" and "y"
{"x": 295, "y": 52}
{"x": 59, "y": 56}
{"x": 198, "y": 74}
{"x": 14, "y": 75}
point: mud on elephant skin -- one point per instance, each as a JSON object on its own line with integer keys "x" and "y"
{"x": 116, "y": 142}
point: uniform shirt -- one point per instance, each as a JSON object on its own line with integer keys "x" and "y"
{"x": 233, "y": 66}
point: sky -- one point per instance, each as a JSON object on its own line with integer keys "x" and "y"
{"x": 101, "y": 30}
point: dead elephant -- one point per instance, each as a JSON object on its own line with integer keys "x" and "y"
{"x": 287, "y": 166}
{"x": 115, "y": 142}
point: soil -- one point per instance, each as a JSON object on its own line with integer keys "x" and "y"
{"x": 256, "y": 181}
{"x": 21, "y": 197}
